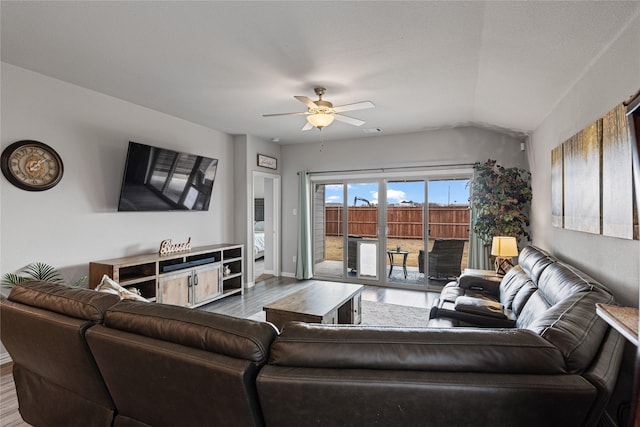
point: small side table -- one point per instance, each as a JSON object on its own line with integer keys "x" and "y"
{"x": 622, "y": 319}
{"x": 392, "y": 254}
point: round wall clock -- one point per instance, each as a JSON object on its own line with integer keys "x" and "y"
{"x": 31, "y": 165}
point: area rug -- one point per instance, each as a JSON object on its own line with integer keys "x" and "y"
{"x": 381, "y": 314}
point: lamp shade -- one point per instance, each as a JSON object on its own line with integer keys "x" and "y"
{"x": 320, "y": 120}
{"x": 504, "y": 246}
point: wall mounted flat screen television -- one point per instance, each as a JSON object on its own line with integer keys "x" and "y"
{"x": 157, "y": 179}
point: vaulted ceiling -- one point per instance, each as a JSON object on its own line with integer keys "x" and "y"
{"x": 425, "y": 65}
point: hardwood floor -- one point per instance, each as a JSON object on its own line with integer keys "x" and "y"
{"x": 250, "y": 303}
{"x": 9, "y": 416}
{"x": 274, "y": 288}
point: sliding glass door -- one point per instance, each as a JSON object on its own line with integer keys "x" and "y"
{"x": 405, "y": 232}
{"x": 406, "y": 212}
{"x": 328, "y": 230}
{"x": 345, "y": 230}
{"x": 448, "y": 229}
{"x": 362, "y": 223}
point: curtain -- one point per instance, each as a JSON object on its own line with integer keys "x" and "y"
{"x": 478, "y": 252}
{"x": 304, "y": 258}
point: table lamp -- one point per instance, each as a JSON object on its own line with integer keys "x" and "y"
{"x": 503, "y": 248}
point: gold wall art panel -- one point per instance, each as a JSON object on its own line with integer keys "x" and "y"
{"x": 617, "y": 176}
{"x": 557, "y": 207}
{"x": 581, "y": 155}
{"x": 592, "y": 179}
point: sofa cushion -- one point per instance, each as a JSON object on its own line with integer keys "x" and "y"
{"x": 536, "y": 304}
{"x": 451, "y": 350}
{"x": 522, "y": 296}
{"x": 451, "y": 291}
{"x": 511, "y": 284}
{"x": 161, "y": 383}
{"x": 560, "y": 282}
{"x": 465, "y": 315}
{"x": 563, "y": 311}
{"x": 240, "y": 338}
{"x": 480, "y": 306}
{"x": 467, "y": 283}
{"x": 534, "y": 261}
{"x": 73, "y": 302}
{"x": 574, "y": 328}
{"x": 43, "y": 328}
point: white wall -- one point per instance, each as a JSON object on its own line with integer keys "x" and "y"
{"x": 461, "y": 145}
{"x": 77, "y": 221}
{"x": 612, "y": 78}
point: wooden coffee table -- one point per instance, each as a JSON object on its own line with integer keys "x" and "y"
{"x": 320, "y": 302}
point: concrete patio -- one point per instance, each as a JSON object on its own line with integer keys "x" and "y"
{"x": 334, "y": 269}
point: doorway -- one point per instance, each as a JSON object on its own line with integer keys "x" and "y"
{"x": 265, "y": 220}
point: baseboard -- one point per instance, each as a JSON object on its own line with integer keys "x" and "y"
{"x": 293, "y": 275}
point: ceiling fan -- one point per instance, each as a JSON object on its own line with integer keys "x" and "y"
{"x": 321, "y": 113}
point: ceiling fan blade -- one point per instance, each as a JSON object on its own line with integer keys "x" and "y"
{"x": 285, "y": 114}
{"x": 306, "y": 101}
{"x": 307, "y": 126}
{"x": 349, "y": 120}
{"x": 357, "y": 106}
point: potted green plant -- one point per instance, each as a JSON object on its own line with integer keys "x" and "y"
{"x": 37, "y": 271}
{"x": 501, "y": 198}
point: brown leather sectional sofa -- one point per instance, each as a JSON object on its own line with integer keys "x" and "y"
{"x": 88, "y": 359}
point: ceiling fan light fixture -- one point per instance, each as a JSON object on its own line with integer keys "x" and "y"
{"x": 320, "y": 120}
{"x": 321, "y": 113}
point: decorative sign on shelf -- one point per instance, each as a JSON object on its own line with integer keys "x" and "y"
{"x": 167, "y": 247}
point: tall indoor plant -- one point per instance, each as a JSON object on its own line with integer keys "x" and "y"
{"x": 501, "y": 198}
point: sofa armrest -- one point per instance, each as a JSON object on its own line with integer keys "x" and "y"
{"x": 452, "y": 350}
{"x": 444, "y": 309}
{"x": 603, "y": 372}
{"x": 487, "y": 285}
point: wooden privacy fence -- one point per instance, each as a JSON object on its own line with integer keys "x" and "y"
{"x": 404, "y": 222}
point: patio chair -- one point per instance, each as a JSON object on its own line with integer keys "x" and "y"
{"x": 444, "y": 258}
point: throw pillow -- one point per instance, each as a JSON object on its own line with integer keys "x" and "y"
{"x": 111, "y": 286}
